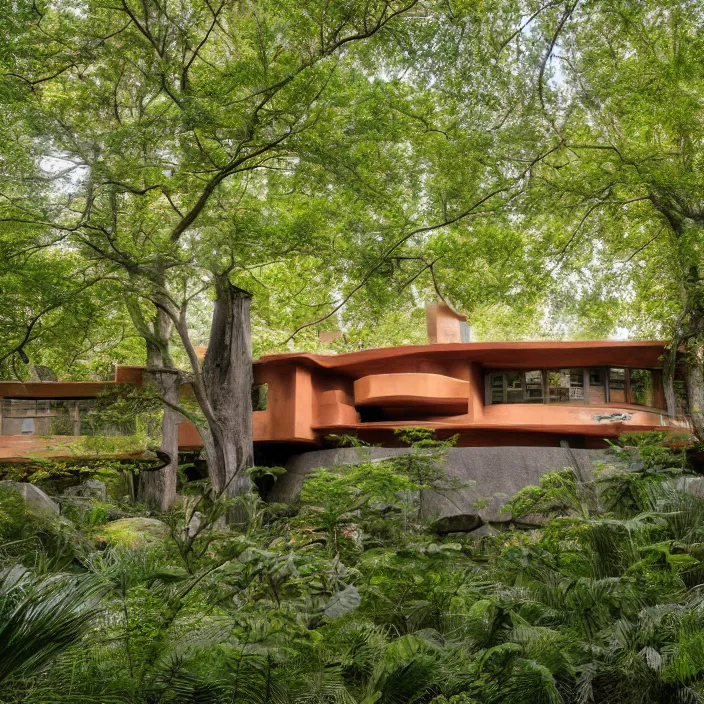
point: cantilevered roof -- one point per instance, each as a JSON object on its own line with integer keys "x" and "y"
{"x": 537, "y": 354}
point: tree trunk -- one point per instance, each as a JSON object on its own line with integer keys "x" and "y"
{"x": 668, "y": 379}
{"x": 227, "y": 381}
{"x": 695, "y": 393}
{"x": 158, "y": 488}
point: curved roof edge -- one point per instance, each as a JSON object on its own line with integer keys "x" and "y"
{"x": 642, "y": 350}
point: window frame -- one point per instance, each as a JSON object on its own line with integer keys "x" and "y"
{"x": 604, "y": 371}
{"x": 67, "y": 410}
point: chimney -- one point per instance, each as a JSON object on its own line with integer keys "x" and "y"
{"x": 445, "y": 324}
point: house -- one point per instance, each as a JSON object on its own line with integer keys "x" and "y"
{"x": 487, "y": 393}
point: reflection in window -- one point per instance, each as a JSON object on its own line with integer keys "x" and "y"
{"x": 497, "y": 388}
{"x": 566, "y": 386}
{"x": 516, "y": 387}
{"x": 533, "y": 387}
{"x": 577, "y": 386}
{"x": 617, "y": 385}
{"x": 642, "y": 387}
{"x": 57, "y": 417}
{"x": 260, "y": 397}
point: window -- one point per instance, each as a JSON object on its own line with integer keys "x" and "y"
{"x": 596, "y": 377}
{"x": 26, "y": 416}
{"x": 533, "y": 387}
{"x": 260, "y": 397}
{"x": 642, "y": 387}
{"x": 597, "y": 386}
{"x": 57, "y": 417}
{"x": 497, "y": 388}
{"x": 566, "y": 386}
{"x": 617, "y": 385}
{"x": 516, "y": 387}
{"x": 576, "y": 386}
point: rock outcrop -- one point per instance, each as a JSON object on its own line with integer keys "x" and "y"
{"x": 36, "y": 501}
{"x": 488, "y": 478}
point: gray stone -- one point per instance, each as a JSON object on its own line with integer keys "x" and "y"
{"x": 456, "y": 523}
{"x": 488, "y": 476}
{"x": 194, "y": 524}
{"x": 689, "y": 485}
{"x": 89, "y": 489}
{"x": 531, "y": 520}
{"x": 486, "y": 531}
{"x": 36, "y": 501}
{"x": 288, "y": 487}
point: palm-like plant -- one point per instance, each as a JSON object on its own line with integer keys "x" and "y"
{"x": 40, "y": 617}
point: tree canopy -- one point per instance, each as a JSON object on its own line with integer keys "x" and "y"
{"x": 342, "y": 164}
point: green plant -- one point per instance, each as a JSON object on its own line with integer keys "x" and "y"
{"x": 40, "y": 617}
{"x": 13, "y": 516}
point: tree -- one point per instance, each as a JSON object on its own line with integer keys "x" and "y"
{"x": 199, "y": 152}
{"x": 150, "y": 114}
{"x": 621, "y": 93}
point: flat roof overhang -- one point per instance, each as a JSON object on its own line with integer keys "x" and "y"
{"x": 53, "y": 389}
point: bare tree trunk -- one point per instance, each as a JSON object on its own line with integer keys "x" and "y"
{"x": 223, "y": 388}
{"x": 158, "y": 488}
{"x": 227, "y": 381}
{"x": 668, "y": 379}
{"x": 695, "y": 393}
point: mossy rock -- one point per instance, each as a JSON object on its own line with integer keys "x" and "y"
{"x": 133, "y": 532}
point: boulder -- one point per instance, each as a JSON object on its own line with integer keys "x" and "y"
{"x": 89, "y": 489}
{"x": 194, "y": 524}
{"x": 485, "y": 478}
{"x": 531, "y": 520}
{"x": 134, "y": 532}
{"x": 36, "y": 501}
{"x": 486, "y": 531}
{"x": 456, "y": 523}
{"x": 689, "y": 485}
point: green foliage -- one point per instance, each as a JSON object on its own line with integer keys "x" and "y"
{"x": 324, "y": 605}
{"x": 558, "y": 493}
{"x": 274, "y": 473}
{"x": 502, "y": 154}
{"x": 345, "y": 440}
{"x": 13, "y": 516}
{"x": 40, "y": 618}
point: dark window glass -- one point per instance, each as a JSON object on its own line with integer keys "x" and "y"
{"x": 497, "y": 388}
{"x": 596, "y": 377}
{"x": 514, "y": 387}
{"x": 260, "y": 397}
{"x": 533, "y": 382}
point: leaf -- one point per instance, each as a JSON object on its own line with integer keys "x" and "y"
{"x": 371, "y": 699}
{"x": 343, "y": 602}
{"x": 169, "y": 575}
